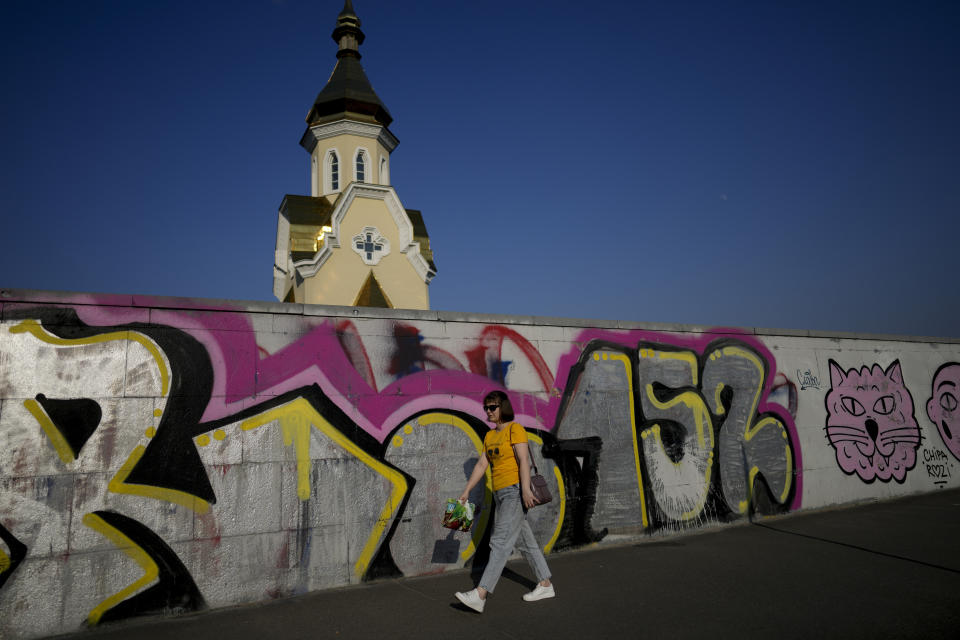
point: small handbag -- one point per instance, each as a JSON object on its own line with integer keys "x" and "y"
{"x": 538, "y": 484}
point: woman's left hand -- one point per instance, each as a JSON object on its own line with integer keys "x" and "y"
{"x": 528, "y": 501}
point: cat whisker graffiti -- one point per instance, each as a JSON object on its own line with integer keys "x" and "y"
{"x": 847, "y": 428}
{"x": 885, "y": 440}
{"x": 851, "y": 438}
{"x": 903, "y": 431}
{"x": 840, "y": 434}
{"x": 878, "y": 400}
{"x": 847, "y": 431}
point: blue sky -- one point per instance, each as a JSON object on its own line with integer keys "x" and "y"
{"x": 766, "y": 164}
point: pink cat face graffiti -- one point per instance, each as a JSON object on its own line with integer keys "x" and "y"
{"x": 942, "y": 407}
{"x": 870, "y": 422}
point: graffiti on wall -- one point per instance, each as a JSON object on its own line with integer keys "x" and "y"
{"x": 219, "y": 465}
{"x": 10, "y": 559}
{"x": 693, "y": 420}
{"x": 938, "y": 465}
{"x": 942, "y": 406}
{"x": 871, "y": 423}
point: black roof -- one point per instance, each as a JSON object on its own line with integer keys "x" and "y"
{"x": 348, "y": 90}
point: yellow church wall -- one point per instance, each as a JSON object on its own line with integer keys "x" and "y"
{"x": 346, "y": 146}
{"x": 342, "y": 276}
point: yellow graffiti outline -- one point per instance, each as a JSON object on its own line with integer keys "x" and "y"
{"x": 716, "y": 398}
{"x": 561, "y": 499}
{"x": 694, "y": 402}
{"x": 118, "y": 484}
{"x": 299, "y": 415}
{"x": 701, "y": 416}
{"x": 134, "y": 551}
{"x": 633, "y": 426}
{"x": 788, "y": 454}
{"x": 459, "y": 423}
{"x": 60, "y": 444}
{"x": 747, "y": 355}
{"x": 750, "y": 430}
{"x": 295, "y": 421}
{"x": 33, "y": 327}
{"x": 563, "y": 509}
{"x": 684, "y": 356}
{"x": 5, "y": 561}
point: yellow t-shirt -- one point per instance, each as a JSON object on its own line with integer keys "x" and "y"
{"x": 499, "y": 449}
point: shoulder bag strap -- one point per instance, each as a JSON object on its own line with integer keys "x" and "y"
{"x": 533, "y": 465}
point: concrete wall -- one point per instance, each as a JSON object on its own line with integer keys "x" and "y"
{"x": 167, "y": 455}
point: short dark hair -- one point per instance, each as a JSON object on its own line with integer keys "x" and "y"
{"x": 506, "y": 409}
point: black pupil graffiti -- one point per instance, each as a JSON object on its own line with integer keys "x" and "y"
{"x": 884, "y": 405}
{"x": 948, "y": 401}
{"x": 853, "y": 406}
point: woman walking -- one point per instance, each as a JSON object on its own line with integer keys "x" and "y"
{"x": 506, "y": 451}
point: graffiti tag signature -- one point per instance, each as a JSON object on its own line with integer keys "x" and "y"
{"x": 807, "y": 380}
{"x": 938, "y": 466}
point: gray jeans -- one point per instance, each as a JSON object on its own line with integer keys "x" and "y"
{"x": 511, "y": 529}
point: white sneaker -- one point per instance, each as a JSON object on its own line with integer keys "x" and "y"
{"x": 540, "y": 592}
{"x": 473, "y": 600}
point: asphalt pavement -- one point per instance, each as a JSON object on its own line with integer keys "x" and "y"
{"x": 881, "y": 570}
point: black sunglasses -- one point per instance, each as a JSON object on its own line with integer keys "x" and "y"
{"x": 491, "y": 407}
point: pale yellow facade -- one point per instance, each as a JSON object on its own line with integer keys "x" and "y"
{"x": 333, "y": 271}
{"x": 351, "y": 241}
{"x": 346, "y": 147}
{"x": 343, "y": 275}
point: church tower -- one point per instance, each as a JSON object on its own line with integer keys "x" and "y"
{"x": 351, "y": 242}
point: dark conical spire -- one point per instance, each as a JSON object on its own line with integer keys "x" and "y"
{"x": 348, "y": 89}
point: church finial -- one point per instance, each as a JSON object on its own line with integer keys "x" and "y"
{"x": 348, "y": 90}
{"x": 348, "y": 34}
{"x": 348, "y": 9}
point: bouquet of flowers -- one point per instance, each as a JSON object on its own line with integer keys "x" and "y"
{"x": 458, "y": 515}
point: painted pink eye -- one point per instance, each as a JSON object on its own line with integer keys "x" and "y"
{"x": 948, "y": 401}
{"x": 884, "y": 405}
{"x": 852, "y": 405}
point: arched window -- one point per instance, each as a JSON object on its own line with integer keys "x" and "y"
{"x": 333, "y": 170}
{"x": 361, "y": 166}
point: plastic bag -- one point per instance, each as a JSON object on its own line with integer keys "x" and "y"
{"x": 458, "y": 515}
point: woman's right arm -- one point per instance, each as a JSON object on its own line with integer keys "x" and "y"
{"x": 479, "y": 470}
